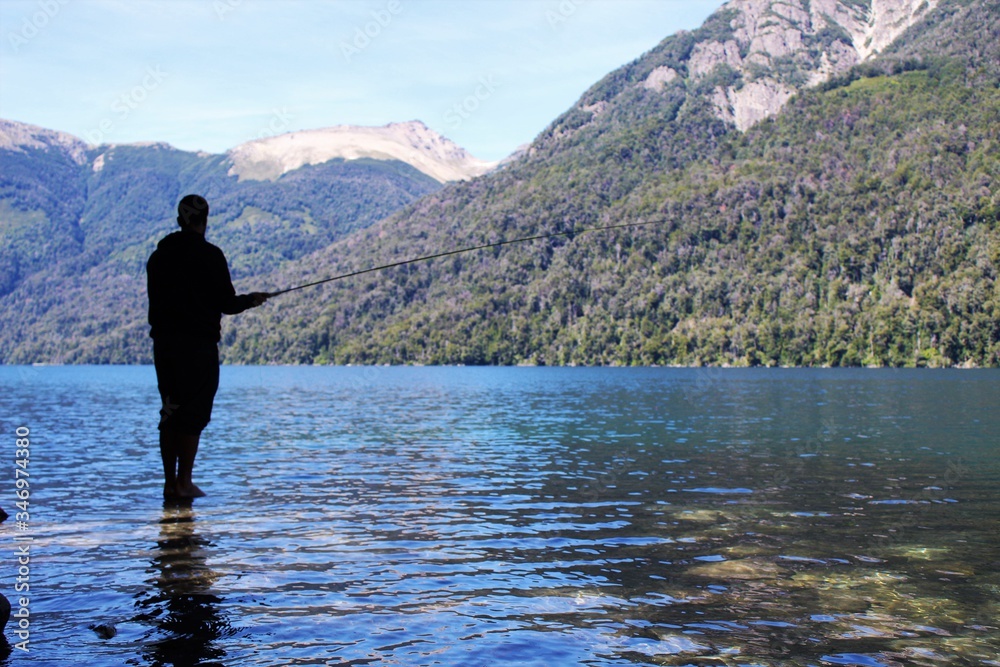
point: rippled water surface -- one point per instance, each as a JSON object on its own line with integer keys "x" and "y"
{"x": 460, "y": 516}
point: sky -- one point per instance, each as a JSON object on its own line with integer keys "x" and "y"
{"x": 211, "y": 74}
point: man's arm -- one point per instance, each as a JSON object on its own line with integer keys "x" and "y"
{"x": 229, "y": 302}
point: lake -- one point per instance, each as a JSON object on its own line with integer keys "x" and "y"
{"x": 522, "y": 516}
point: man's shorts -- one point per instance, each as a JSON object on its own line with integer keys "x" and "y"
{"x": 187, "y": 375}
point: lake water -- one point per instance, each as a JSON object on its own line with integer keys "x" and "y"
{"x": 484, "y": 516}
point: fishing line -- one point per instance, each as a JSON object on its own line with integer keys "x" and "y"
{"x": 456, "y": 252}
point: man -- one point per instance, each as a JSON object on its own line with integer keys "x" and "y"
{"x": 189, "y": 289}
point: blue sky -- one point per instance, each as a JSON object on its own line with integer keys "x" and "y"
{"x": 211, "y": 74}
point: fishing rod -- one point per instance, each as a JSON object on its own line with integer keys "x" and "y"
{"x": 571, "y": 234}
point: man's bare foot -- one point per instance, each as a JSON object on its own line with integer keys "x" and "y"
{"x": 188, "y": 490}
{"x": 169, "y": 491}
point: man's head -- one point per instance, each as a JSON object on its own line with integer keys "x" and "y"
{"x": 192, "y": 213}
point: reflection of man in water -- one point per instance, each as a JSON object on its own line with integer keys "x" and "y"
{"x": 187, "y": 616}
{"x": 189, "y": 290}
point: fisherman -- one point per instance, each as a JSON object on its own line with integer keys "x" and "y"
{"x": 189, "y": 289}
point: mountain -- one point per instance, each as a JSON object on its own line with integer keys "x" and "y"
{"x": 413, "y": 143}
{"x": 822, "y": 179}
{"x": 41, "y": 199}
{"x": 761, "y": 53}
{"x": 77, "y": 222}
{"x": 855, "y": 226}
{"x": 21, "y": 137}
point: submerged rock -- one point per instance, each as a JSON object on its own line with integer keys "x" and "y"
{"x": 700, "y": 516}
{"x": 911, "y": 552}
{"x": 746, "y": 549}
{"x": 105, "y": 630}
{"x": 737, "y": 569}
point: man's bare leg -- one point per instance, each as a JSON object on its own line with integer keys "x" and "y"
{"x": 168, "y": 452}
{"x": 187, "y": 450}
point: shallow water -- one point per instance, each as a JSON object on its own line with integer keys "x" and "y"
{"x": 461, "y": 516}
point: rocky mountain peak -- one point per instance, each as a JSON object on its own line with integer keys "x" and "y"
{"x": 774, "y": 48}
{"x": 17, "y": 137}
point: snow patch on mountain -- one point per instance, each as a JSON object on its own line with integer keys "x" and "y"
{"x": 413, "y": 143}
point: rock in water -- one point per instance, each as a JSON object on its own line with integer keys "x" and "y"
{"x": 105, "y": 630}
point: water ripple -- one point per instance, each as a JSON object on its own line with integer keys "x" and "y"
{"x": 520, "y": 516}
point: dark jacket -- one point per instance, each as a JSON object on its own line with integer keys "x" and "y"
{"x": 189, "y": 289}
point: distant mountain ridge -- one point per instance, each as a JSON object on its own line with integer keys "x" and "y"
{"x": 268, "y": 158}
{"x": 19, "y": 137}
{"x": 413, "y": 143}
{"x": 78, "y": 221}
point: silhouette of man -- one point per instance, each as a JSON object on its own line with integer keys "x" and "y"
{"x": 189, "y": 289}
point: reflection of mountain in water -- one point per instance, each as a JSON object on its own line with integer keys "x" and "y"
{"x": 180, "y": 605}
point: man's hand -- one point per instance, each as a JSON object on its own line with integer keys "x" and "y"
{"x": 259, "y": 298}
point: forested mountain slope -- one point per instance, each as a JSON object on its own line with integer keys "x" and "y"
{"x": 857, "y": 226}
{"x": 78, "y": 222}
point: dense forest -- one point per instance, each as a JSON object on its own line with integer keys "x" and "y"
{"x": 859, "y": 226}
{"x": 76, "y": 237}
